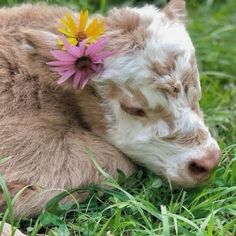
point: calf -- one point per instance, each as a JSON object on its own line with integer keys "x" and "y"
{"x": 144, "y": 105}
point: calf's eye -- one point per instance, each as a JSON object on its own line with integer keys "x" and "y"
{"x": 134, "y": 111}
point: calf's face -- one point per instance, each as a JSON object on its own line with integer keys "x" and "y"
{"x": 152, "y": 92}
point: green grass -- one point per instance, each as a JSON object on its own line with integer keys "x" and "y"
{"x": 142, "y": 204}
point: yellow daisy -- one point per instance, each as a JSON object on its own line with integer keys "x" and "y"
{"x": 78, "y": 30}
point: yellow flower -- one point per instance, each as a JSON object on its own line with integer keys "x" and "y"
{"x": 78, "y": 30}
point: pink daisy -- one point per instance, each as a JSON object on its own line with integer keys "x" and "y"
{"x": 80, "y": 62}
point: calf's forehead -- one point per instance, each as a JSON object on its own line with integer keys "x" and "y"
{"x": 170, "y": 35}
{"x": 163, "y": 58}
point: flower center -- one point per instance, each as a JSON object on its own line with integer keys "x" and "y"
{"x": 81, "y": 36}
{"x": 83, "y": 62}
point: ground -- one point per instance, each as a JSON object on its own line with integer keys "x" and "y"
{"x": 142, "y": 204}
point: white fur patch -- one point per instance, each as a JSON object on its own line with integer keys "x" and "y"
{"x": 140, "y": 139}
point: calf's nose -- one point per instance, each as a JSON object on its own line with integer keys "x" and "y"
{"x": 200, "y": 169}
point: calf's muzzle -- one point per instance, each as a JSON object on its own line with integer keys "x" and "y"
{"x": 201, "y": 168}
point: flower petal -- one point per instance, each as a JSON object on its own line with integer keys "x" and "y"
{"x": 92, "y": 26}
{"x": 71, "y": 24}
{"x": 63, "y": 56}
{"x": 76, "y": 51}
{"x": 83, "y": 19}
{"x": 64, "y": 21}
{"x": 84, "y": 82}
{"x": 61, "y": 69}
{"x": 95, "y": 27}
{"x": 66, "y": 32}
{"x": 59, "y": 42}
{"x": 59, "y": 63}
{"x": 93, "y": 38}
{"x": 94, "y": 67}
{"x": 65, "y": 76}
{"x": 83, "y": 78}
{"x": 96, "y": 47}
{"x": 98, "y": 61}
{"x": 101, "y": 56}
{"x": 72, "y": 41}
{"x": 76, "y": 80}
{"x": 96, "y": 32}
{"x": 100, "y": 68}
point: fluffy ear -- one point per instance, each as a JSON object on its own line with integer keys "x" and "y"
{"x": 176, "y": 10}
{"x": 38, "y": 42}
{"x": 126, "y": 30}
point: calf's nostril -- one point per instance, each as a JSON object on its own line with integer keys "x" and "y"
{"x": 198, "y": 170}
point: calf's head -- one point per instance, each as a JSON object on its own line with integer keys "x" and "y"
{"x": 152, "y": 91}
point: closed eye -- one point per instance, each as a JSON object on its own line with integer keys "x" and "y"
{"x": 134, "y": 111}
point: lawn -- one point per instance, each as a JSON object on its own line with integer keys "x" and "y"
{"x": 143, "y": 204}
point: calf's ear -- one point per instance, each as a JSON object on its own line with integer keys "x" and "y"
{"x": 39, "y": 43}
{"x": 176, "y": 10}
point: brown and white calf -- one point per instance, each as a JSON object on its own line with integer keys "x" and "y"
{"x": 145, "y": 105}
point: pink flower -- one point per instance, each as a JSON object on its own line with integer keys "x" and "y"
{"x": 79, "y": 62}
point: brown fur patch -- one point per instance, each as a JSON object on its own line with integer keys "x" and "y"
{"x": 163, "y": 69}
{"x": 161, "y": 112}
{"x": 190, "y": 138}
{"x": 190, "y": 83}
{"x": 127, "y": 95}
{"x": 14, "y": 187}
{"x": 190, "y": 76}
{"x": 160, "y": 70}
{"x": 131, "y": 30}
{"x": 124, "y": 19}
{"x": 90, "y": 105}
{"x": 40, "y": 40}
{"x": 138, "y": 96}
{"x": 172, "y": 87}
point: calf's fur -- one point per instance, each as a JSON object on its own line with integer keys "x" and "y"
{"x": 45, "y": 128}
